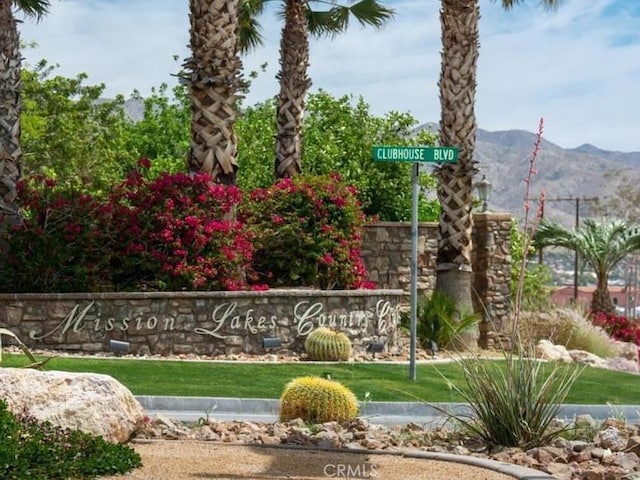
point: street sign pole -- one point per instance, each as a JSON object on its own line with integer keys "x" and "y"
{"x": 415, "y": 155}
{"x": 414, "y": 270}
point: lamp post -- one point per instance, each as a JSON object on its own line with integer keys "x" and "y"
{"x": 483, "y": 187}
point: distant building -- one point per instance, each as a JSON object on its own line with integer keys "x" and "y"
{"x": 621, "y": 296}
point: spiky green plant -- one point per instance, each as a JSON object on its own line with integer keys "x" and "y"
{"x": 439, "y": 320}
{"x": 326, "y": 345}
{"x": 515, "y": 406}
{"x": 317, "y": 400}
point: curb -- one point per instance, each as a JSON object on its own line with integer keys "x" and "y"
{"x": 388, "y": 413}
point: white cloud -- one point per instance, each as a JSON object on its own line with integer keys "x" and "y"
{"x": 577, "y": 66}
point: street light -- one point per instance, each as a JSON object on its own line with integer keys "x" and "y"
{"x": 483, "y": 187}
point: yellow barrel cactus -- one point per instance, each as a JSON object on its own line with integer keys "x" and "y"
{"x": 317, "y": 400}
{"x": 326, "y": 345}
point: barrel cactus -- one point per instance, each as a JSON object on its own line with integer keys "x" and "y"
{"x": 317, "y": 400}
{"x": 326, "y": 345}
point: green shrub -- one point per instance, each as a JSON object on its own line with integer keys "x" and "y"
{"x": 438, "y": 319}
{"x": 317, "y": 400}
{"x": 40, "y": 451}
{"x": 307, "y": 232}
{"x": 326, "y": 345}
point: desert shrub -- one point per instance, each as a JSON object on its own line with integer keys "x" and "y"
{"x": 438, "y": 319}
{"x": 38, "y": 450}
{"x": 618, "y": 326}
{"x": 307, "y": 232}
{"x": 317, "y": 400}
{"x": 176, "y": 232}
{"x": 326, "y": 345}
{"x": 56, "y": 247}
{"x": 514, "y": 405}
{"x": 568, "y": 327}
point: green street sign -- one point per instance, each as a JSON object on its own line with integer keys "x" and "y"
{"x": 392, "y": 153}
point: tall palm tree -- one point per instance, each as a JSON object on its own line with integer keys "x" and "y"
{"x": 10, "y": 99}
{"x": 602, "y": 245}
{"x": 300, "y": 20}
{"x": 460, "y": 44}
{"x": 213, "y": 74}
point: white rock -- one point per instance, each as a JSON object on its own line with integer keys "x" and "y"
{"x": 94, "y": 403}
{"x": 628, "y": 351}
{"x": 548, "y": 351}
{"x": 612, "y": 439}
{"x": 582, "y": 356}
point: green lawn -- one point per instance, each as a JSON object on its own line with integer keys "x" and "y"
{"x": 385, "y": 382}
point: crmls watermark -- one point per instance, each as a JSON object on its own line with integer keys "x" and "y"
{"x": 349, "y": 470}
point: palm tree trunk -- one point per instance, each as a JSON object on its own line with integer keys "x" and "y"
{"x": 215, "y": 80}
{"x": 294, "y": 84}
{"x": 459, "y": 22}
{"x": 10, "y": 107}
{"x": 601, "y": 299}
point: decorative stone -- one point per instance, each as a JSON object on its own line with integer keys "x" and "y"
{"x": 548, "y": 351}
{"x": 584, "y": 421}
{"x": 627, "y": 461}
{"x": 588, "y": 358}
{"x": 612, "y": 439}
{"x": 633, "y": 444}
{"x": 600, "y": 453}
{"x": 94, "y": 403}
{"x": 561, "y": 471}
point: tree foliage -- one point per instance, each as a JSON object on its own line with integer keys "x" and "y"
{"x": 602, "y": 245}
{"x": 88, "y": 144}
{"x": 339, "y": 134}
{"x": 69, "y": 133}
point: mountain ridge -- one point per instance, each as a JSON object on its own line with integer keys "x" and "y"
{"x": 586, "y": 172}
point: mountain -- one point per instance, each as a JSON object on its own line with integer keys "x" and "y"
{"x": 586, "y": 172}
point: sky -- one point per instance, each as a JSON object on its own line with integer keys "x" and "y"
{"x": 578, "y": 66}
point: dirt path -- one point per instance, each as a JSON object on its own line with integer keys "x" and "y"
{"x": 189, "y": 460}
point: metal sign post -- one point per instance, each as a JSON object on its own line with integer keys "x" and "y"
{"x": 416, "y": 155}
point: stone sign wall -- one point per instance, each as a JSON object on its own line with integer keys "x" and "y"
{"x": 386, "y": 250}
{"x": 204, "y": 323}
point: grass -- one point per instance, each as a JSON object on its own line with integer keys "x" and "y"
{"x": 385, "y": 382}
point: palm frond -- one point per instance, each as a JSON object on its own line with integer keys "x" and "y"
{"x": 33, "y": 8}
{"x": 249, "y": 35}
{"x": 370, "y": 12}
{"x": 601, "y": 244}
{"x": 336, "y": 20}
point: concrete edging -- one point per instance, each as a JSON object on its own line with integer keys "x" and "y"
{"x": 405, "y": 411}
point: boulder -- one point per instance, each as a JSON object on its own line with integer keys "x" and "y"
{"x": 628, "y": 351}
{"x": 94, "y": 403}
{"x": 555, "y": 353}
{"x": 582, "y": 356}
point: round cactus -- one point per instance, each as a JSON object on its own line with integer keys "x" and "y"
{"x": 326, "y": 345}
{"x": 317, "y": 400}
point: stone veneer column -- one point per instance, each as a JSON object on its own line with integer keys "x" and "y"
{"x": 386, "y": 251}
{"x": 491, "y": 259}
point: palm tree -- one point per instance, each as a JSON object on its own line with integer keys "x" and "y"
{"x": 213, "y": 74}
{"x": 300, "y": 20}
{"x": 460, "y": 44}
{"x": 601, "y": 244}
{"x": 10, "y": 99}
